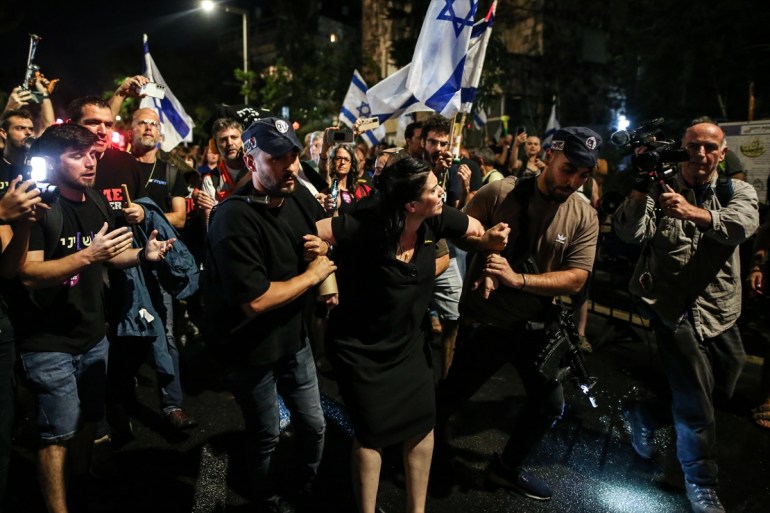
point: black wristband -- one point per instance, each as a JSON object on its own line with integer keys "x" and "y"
{"x": 142, "y": 257}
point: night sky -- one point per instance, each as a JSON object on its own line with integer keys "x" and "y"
{"x": 87, "y": 44}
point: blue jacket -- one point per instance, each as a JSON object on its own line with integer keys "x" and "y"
{"x": 179, "y": 273}
{"x": 141, "y": 296}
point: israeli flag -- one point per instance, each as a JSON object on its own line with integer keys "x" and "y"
{"x": 551, "y": 128}
{"x": 390, "y": 98}
{"x": 474, "y": 64}
{"x": 175, "y": 125}
{"x": 436, "y": 72}
{"x": 356, "y": 105}
{"x": 479, "y": 119}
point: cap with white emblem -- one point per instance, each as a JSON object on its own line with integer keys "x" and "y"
{"x": 579, "y": 144}
{"x": 272, "y": 135}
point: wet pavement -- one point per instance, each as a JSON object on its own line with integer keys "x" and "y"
{"x": 586, "y": 458}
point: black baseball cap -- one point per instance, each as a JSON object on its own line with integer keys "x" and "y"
{"x": 272, "y": 135}
{"x": 579, "y": 144}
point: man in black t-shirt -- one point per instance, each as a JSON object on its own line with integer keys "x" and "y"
{"x": 162, "y": 173}
{"x": 263, "y": 262}
{"x": 115, "y": 168}
{"x": 59, "y": 322}
{"x": 164, "y": 183}
{"x": 16, "y": 128}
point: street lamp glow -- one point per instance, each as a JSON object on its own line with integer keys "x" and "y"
{"x": 210, "y": 5}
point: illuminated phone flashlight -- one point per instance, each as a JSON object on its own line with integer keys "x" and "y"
{"x": 39, "y": 172}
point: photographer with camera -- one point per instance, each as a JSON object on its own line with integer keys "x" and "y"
{"x": 59, "y": 319}
{"x": 688, "y": 280}
{"x": 19, "y": 202}
{"x": 507, "y": 306}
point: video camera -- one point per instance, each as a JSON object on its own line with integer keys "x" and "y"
{"x": 659, "y": 161}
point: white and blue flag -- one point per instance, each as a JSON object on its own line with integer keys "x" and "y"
{"x": 436, "y": 72}
{"x": 479, "y": 118}
{"x": 474, "y": 63}
{"x": 551, "y": 128}
{"x": 175, "y": 125}
{"x": 356, "y": 105}
{"x": 390, "y": 98}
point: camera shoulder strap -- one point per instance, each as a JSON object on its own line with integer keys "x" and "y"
{"x": 724, "y": 190}
{"x": 525, "y": 188}
{"x": 53, "y": 223}
{"x": 171, "y": 170}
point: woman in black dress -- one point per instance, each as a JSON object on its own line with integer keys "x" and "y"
{"x": 386, "y": 265}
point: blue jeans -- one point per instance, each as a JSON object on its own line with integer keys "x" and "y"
{"x": 170, "y": 386}
{"x": 69, "y": 388}
{"x": 446, "y": 292}
{"x": 255, "y": 389}
{"x": 695, "y": 369}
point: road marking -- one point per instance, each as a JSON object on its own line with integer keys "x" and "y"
{"x": 211, "y": 487}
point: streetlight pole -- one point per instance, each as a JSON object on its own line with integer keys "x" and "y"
{"x": 208, "y": 6}
{"x": 245, "y": 20}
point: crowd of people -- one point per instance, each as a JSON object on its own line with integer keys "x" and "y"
{"x": 363, "y": 260}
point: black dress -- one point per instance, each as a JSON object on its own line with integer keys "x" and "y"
{"x": 377, "y": 333}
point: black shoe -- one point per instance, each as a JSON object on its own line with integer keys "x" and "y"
{"x": 520, "y": 480}
{"x": 703, "y": 499}
{"x": 642, "y": 436}
{"x": 180, "y": 420}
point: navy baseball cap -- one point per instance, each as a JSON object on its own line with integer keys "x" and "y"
{"x": 579, "y": 144}
{"x": 271, "y": 135}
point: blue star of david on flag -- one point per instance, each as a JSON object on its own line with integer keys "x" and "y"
{"x": 363, "y": 110}
{"x": 448, "y": 14}
{"x": 356, "y": 106}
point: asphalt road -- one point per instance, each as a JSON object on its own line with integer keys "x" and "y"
{"x": 586, "y": 458}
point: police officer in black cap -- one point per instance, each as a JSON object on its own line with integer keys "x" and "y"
{"x": 263, "y": 264}
{"x": 507, "y": 297}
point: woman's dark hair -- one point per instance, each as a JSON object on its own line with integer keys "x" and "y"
{"x": 352, "y": 178}
{"x": 403, "y": 182}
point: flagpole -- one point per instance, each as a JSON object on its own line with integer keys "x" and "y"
{"x": 456, "y": 139}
